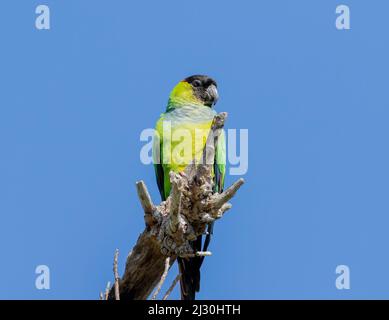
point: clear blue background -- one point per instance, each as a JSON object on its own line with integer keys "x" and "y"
{"x": 74, "y": 100}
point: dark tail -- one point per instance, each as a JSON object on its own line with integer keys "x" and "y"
{"x": 190, "y": 268}
{"x": 190, "y": 273}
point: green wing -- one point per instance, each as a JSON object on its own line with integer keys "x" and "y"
{"x": 219, "y": 169}
{"x": 220, "y": 163}
{"x": 157, "y": 160}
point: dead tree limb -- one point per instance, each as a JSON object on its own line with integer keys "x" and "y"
{"x": 163, "y": 278}
{"x": 107, "y": 291}
{"x": 169, "y": 291}
{"x": 116, "y": 274}
{"x": 171, "y": 225}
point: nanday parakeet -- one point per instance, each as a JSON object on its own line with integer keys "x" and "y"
{"x": 189, "y": 109}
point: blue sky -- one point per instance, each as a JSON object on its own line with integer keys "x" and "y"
{"x": 74, "y": 100}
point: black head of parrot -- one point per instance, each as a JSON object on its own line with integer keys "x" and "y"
{"x": 204, "y": 89}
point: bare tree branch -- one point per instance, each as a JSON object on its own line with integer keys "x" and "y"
{"x": 163, "y": 278}
{"x": 116, "y": 274}
{"x": 171, "y": 225}
{"x": 146, "y": 202}
{"x": 197, "y": 254}
{"x": 169, "y": 291}
{"x": 107, "y": 290}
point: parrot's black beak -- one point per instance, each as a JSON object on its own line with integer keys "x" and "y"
{"x": 212, "y": 95}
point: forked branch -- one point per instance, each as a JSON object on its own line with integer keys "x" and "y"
{"x": 171, "y": 225}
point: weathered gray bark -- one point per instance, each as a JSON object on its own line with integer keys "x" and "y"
{"x": 170, "y": 226}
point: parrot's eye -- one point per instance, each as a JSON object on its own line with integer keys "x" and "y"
{"x": 196, "y": 83}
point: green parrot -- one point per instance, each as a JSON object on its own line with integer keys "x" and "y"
{"x": 189, "y": 111}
